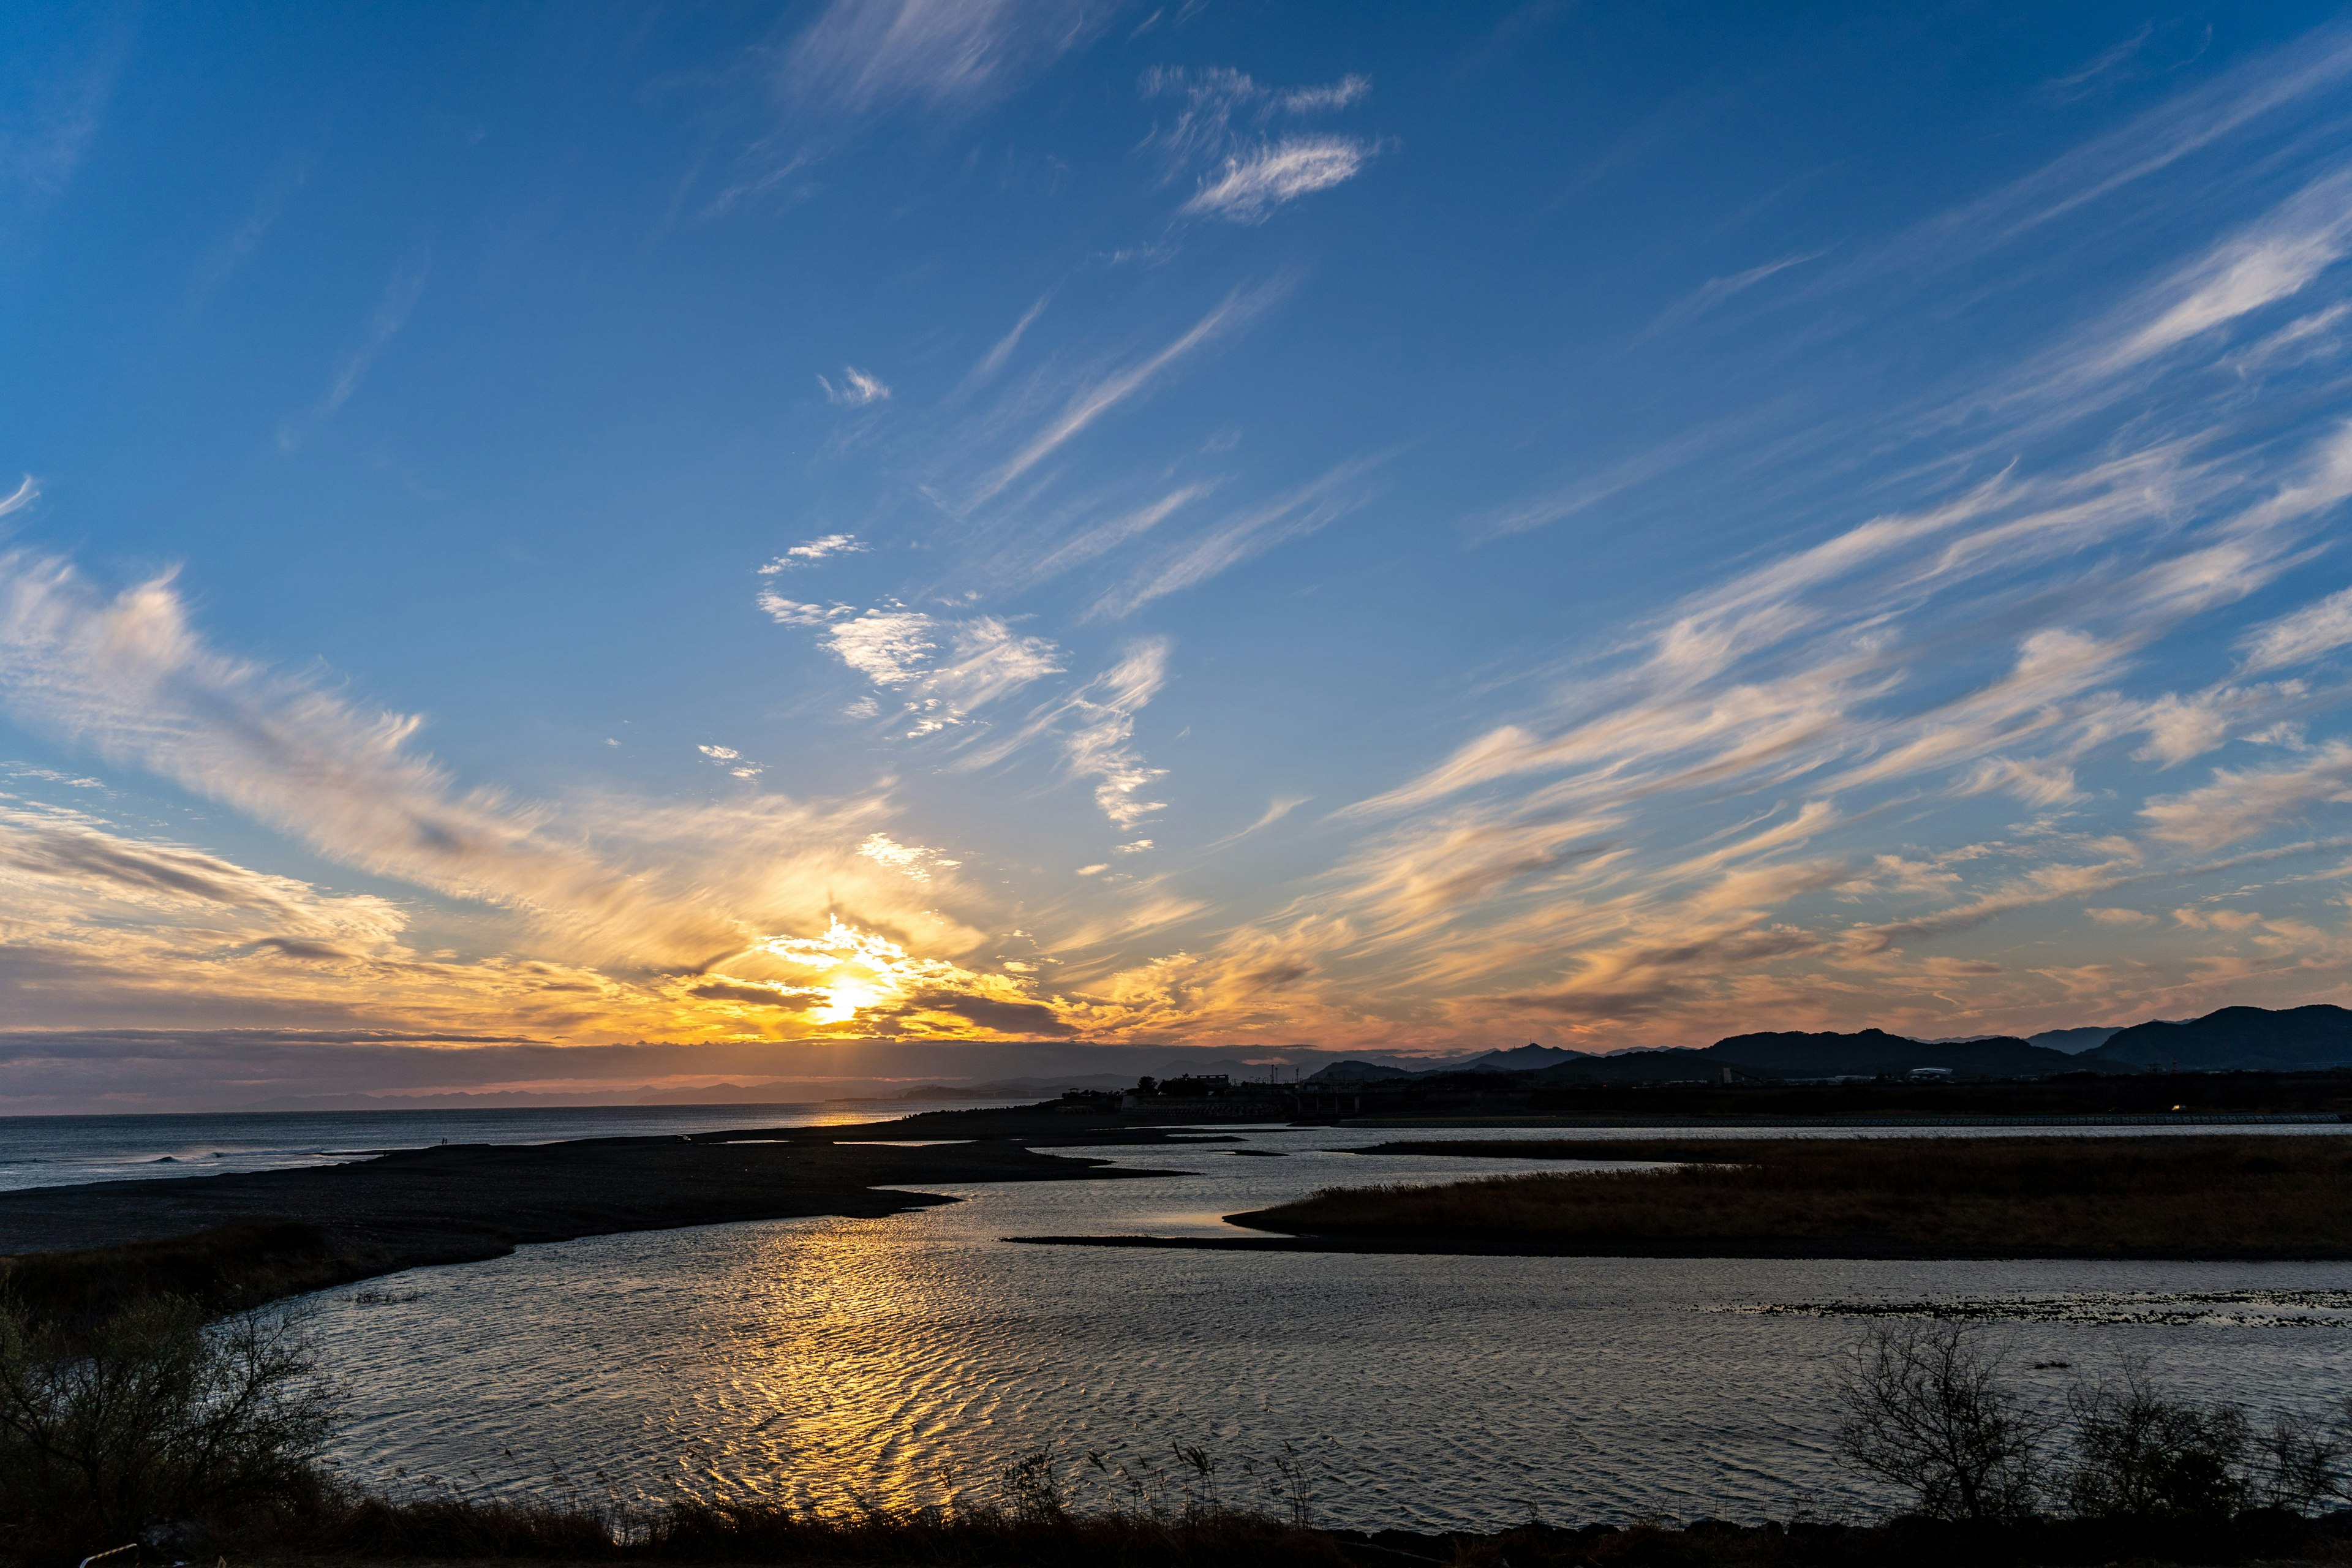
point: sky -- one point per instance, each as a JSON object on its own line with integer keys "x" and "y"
{"x": 752, "y": 532}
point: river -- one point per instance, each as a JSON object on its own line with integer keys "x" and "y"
{"x": 903, "y": 1361}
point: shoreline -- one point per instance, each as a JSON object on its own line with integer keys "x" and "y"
{"x": 239, "y": 1239}
{"x": 1853, "y": 1250}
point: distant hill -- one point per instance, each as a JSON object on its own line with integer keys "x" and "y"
{"x": 1874, "y": 1051}
{"x": 2257, "y": 1039}
{"x": 2090, "y": 1036}
{"x": 1358, "y": 1072}
{"x": 1518, "y": 1058}
{"x": 1866, "y": 1053}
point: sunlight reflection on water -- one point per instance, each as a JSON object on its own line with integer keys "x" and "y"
{"x": 902, "y": 1360}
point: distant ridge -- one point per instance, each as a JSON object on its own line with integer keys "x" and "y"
{"x": 2088, "y": 1037}
{"x": 1865, "y": 1053}
{"x": 2257, "y": 1039}
{"x": 2250, "y": 1039}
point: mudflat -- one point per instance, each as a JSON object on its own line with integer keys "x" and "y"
{"x": 2278, "y": 1197}
{"x": 234, "y": 1240}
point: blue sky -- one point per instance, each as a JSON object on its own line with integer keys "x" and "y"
{"x": 1412, "y": 528}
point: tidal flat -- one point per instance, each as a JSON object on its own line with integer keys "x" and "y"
{"x": 2189, "y": 1197}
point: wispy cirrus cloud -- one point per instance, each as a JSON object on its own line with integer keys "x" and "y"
{"x": 1099, "y": 397}
{"x": 940, "y": 670}
{"x": 812, "y": 551}
{"x": 1240, "y": 537}
{"x": 2298, "y": 637}
{"x": 600, "y": 879}
{"x": 1860, "y": 675}
{"x": 1715, "y": 290}
{"x": 860, "y": 57}
{"x": 56, "y": 107}
{"x": 859, "y": 389}
{"x": 1224, "y": 121}
{"x": 393, "y": 309}
{"x": 1249, "y": 187}
{"x": 1095, "y": 727}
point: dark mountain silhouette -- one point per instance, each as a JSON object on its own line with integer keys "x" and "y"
{"x": 1518, "y": 1058}
{"x": 1874, "y": 1051}
{"x": 1358, "y": 1072}
{"x": 2255, "y": 1039}
{"x": 2088, "y": 1037}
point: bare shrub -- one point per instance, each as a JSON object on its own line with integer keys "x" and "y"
{"x": 156, "y": 1414}
{"x": 2301, "y": 1461}
{"x": 1926, "y": 1408}
{"x": 2141, "y": 1454}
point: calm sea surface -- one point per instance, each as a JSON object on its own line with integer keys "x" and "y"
{"x": 905, "y": 1360}
{"x": 59, "y": 1151}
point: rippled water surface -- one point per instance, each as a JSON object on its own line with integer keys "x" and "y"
{"x": 904, "y": 1359}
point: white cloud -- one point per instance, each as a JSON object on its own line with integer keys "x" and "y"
{"x": 1241, "y": 536}
{"x": 1715, "y": 290}
{"x": 731, "y": 760}
{"x": 127, "y": 676}
{"x": 1250, "y": 186}
{"x": 857, "y": 389}
{"x": 2034, "y": 783}
{"x": 986, "y": 659}
{"x": 1223, "y": 109}
{"x": 792, "y": 613}
{"x": 1100, "y": 744}
{"x": 1091, "y": 402}
{"x": 948, "y": 55}
{"x": 1225, "y": 122}
{"x": 815, "y": 551}
{"x": 390, "y": 314}
{"x": 1278, "y": 808}
{"x": 2115, "y": 917}
{"x": 943, "y": 669}
{"x": 888, "y": 646}
{"x": 995, "y": 359}
{"x": 2181, "y": 728}
{"x": 914, "y": 862}
{"x": 1137, "y": 848}
{"x": 2298, "y": 638}
{"x": 2241, "y": 803}
{"x": 1339, "y": 95}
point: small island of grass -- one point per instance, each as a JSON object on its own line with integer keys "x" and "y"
{"x": 2250, "y": 1197}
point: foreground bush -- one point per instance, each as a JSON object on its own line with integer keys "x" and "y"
{"x": 1930, "y": 1409}
{"x": 155, "y": 1415}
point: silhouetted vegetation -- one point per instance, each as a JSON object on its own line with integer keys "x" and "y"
{"x": 155, "y": 1415}
{"x": 1927, "y": 1409}
{"x": 224, "y": 1270}
{"x": 2216, "y": 1197}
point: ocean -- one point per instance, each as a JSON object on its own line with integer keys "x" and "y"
{"x": 62, "y": 1151}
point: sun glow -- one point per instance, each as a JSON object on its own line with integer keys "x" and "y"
{"x": 860, "y": 979}
{"x": 844, "y": 995}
